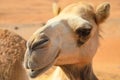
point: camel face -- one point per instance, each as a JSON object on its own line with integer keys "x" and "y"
{"x": 69, "y": 38}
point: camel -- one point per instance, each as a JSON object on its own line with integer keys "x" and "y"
{"x": 12, "y": 49}
{"x": 69, "y": 40}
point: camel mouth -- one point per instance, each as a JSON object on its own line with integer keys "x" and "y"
{"x": 35, "y": 73}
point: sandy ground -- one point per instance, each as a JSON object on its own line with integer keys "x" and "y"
{"x": 26, "y": 16}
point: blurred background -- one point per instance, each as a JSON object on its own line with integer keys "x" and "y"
{"x": 26, "y": 16}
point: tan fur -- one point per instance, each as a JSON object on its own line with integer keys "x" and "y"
{"x": 12, "y": 49}
{"x": 70, "y": 40}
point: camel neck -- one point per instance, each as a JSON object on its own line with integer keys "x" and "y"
{"x": 79, "y": 73}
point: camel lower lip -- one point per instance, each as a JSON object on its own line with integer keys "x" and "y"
{"x": 35, "y": 73}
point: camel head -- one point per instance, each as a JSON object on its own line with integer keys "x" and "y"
{"x": 69, "y": 38}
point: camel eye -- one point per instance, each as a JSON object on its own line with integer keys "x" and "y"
{"x": 83, "y": 32}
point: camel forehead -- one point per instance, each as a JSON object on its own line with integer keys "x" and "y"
{"x": 70, "y": 19}
{"x": 60, "y": 24}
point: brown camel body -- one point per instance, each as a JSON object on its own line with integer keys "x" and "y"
{"x": 12, "y": 49}
{"x": 70, "y": 40}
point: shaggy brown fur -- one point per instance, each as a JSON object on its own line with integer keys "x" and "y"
{"x": 12, "y": 49}
{"x": 76, "y": 73}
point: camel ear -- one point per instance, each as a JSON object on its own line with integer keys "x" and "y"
{"x": 56, "y": 9}
{"x": 102, "y": 12}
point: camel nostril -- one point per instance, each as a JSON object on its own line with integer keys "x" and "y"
{"x": 40, "y": 42}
